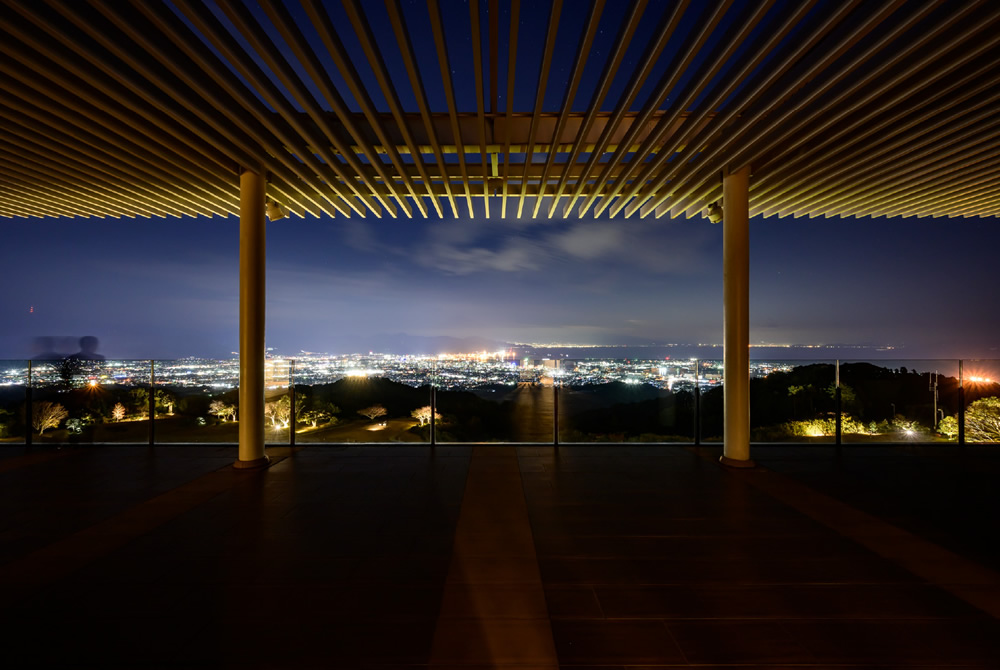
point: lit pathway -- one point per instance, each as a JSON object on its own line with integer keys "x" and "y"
{"x": 493, "y": 611}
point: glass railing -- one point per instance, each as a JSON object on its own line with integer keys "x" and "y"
{"x": 361, "y": 404}
{"x": 793, "y": 401}
{"x": 980, "y": 417}
{"x": 491, "y": 400}
{"x": 627, "y": 401}
{"x": 402, "y": 399}
{"x": 899, "y": 401}
{"x": 77, "y": 400}
{"x": 196, "y": 401}
{"x": 14, "y": 420}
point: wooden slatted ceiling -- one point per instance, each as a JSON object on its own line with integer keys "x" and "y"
{"x": 150, "y": 108}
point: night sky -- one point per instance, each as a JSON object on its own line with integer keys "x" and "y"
{"x": 167, "y": 288}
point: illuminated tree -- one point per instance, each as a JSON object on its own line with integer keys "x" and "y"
{"x": 423, "y": 415}
{"x": 948, "y": 427}
{"x": 223, "y": 410}
{"x": 168, "y": 400}
{"x": 47, "y": 415}
{"x": 373, "y": 412}
{"x": 279, "y": 412}
{"x": 982, "y": 420}
{"x": 140, "y": 400}
{"x": 118, "y": 411}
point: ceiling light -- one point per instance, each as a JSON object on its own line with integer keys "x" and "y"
{"x": 275, "y": 210}
{"x": 714, "y": 212}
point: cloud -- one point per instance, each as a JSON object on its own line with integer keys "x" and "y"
{"x": 516, "y": 255}
{"x": 589, "y": 240}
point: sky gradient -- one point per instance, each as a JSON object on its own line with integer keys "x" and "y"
{"x": 166, "y": 288}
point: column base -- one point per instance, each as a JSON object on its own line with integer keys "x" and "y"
{"x": 736, "y": 463}
{"x": 255, "y": 464}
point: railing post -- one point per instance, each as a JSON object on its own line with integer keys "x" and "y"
{"x": 291, "y": 403}
{"x": 961, "y": 404}
{"x": 27, "y": 409}
{"x": 433, "y": 412}
{"x": 152, "y": 402}
{"x": 839, "y": 405}
{"x": 697, "y": 403}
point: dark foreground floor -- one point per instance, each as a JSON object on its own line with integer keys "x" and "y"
{"x": 499, "y": 557}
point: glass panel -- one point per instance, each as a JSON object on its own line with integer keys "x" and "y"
{"x": 489, "y": 398}
{"x": 626, "y": 400}
{"x": 710, "y": 400}
{"x": 374, "y": 398}
{"x": 981, "y": 379}
{"x": 13, "y": 382}
{"x": 278, "y": 405}
{"x": 197, "y": 400}
{"x": 78, "y": 400}
{"x": 793, "y": 401}
{"x": 899, "y": 401}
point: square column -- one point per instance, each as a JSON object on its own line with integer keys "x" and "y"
{"x": 736, "y": 301}
{"x": 252, "y": 292}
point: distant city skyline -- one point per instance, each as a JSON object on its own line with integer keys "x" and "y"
{"x": 167, "y": 288}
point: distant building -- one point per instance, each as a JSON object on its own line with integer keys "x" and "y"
{"x": 277, "y": 373}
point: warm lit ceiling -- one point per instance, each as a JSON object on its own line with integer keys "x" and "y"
{"x": 361, "y": 108}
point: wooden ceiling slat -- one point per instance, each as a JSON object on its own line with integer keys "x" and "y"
{"x": 515, "y": 23}
{"x": 356, "y": 15}
{"x": 215, "y": 84}
{"x": 437, "y": 29}
{"x": 920, "y": 115}
{"x": 877, "y": 96}
{"x": 26, "y": 206}
{"x": 887, "y": 175}
{"x": 82, "y": 166}
{"x": 627, "y": 32}
{"x": 185, "y": 106}
{"x": 670, "y": 144}
{"x": 176, "y": 184}
{"x": 739, "y": 110}
{"x": 307, "y": 59}
{"x": 543, "y": 80}
{"x": 579, "y": 63}
{"x": 116, "y": 100}
{"x": 322, "y": 23}
{"x": 741, "y": 28}
{"x": 885, "y": 161}
{"x": 477, "y": 64}
{"x": 150, "y": 107}
{"x": 68, "y": 149}
{"x": 778, "y": 128}
{"x": 129, "y": 80}
{"x": 900, "y": 186}
{"x": 666, "y": 30}
{"x": 58, "y": 196}
{"x": 37, "y": 170}
{"x": 395, "y": 12}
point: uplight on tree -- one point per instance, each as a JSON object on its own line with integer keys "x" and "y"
{"x": 373, "y": 412}
{"x": 423, "y": 415}
{"x": 47, "y": 415}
